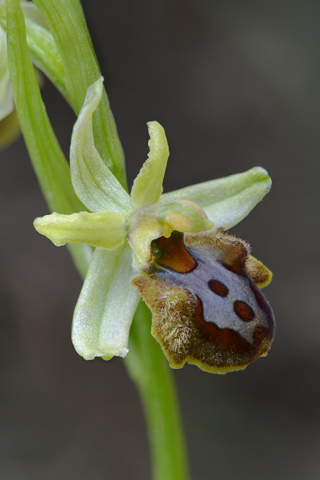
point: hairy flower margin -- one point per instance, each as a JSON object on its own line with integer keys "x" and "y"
{"x": 122, "y": 228}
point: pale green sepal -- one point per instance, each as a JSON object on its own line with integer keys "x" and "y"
{"x": 92, "y": 180}
{"x": 101, "y": 229}
{"x": 6, "y": 95}
{"x": 106, "y": 305}
{"x": 153, "y": 221}
{"x": 227, "y": 200}
{"x": 147, "y": 186}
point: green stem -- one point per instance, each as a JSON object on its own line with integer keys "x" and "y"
{"x": 149, "y": 370}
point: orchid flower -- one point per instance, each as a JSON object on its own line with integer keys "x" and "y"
{"x": 126, "y": 231}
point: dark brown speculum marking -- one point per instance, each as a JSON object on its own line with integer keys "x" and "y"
{"x": 243, "y": 311}
{"x": 227, "y": 341}
{"x": 172, "y": 253}
{"x": 218, "y": 288}
{"x": 220, "y": 347}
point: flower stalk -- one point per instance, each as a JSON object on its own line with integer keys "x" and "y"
{"x": 149, "y": 370}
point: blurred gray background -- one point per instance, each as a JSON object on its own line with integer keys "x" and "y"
{"x": 235, "y": 84}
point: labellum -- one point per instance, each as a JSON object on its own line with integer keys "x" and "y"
{"x": 207, "y": 308}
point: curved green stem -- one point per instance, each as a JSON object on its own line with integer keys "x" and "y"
{"x": 149, "y": 370}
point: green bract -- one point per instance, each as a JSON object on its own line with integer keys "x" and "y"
{"x": 122, "y": 227}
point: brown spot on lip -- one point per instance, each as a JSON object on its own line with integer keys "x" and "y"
{"x": 243, "y": 311}
{"x": 218, "y": 288}
{"x": 174, "y": 254}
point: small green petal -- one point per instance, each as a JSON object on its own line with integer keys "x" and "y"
{"x": 147, "y": 186}
{"x": 227, "y": 200}
{"x": 93, "y": 182}
{"x": 102, "y": 229}
{"x": 106, "y": 305}
{"x": 153, "y": 221}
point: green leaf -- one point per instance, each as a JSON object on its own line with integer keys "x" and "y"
{"x": 227, "y": 200}
{"x": 93, "y": 182}
{"x": 103, "y": 229}
{"x": 147, "y": 186}
{"x": 76, "y": 5}
{"x": 81, "y": 70}
{"x": 47, "y": 158}
{"x": 106, "y": 305}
